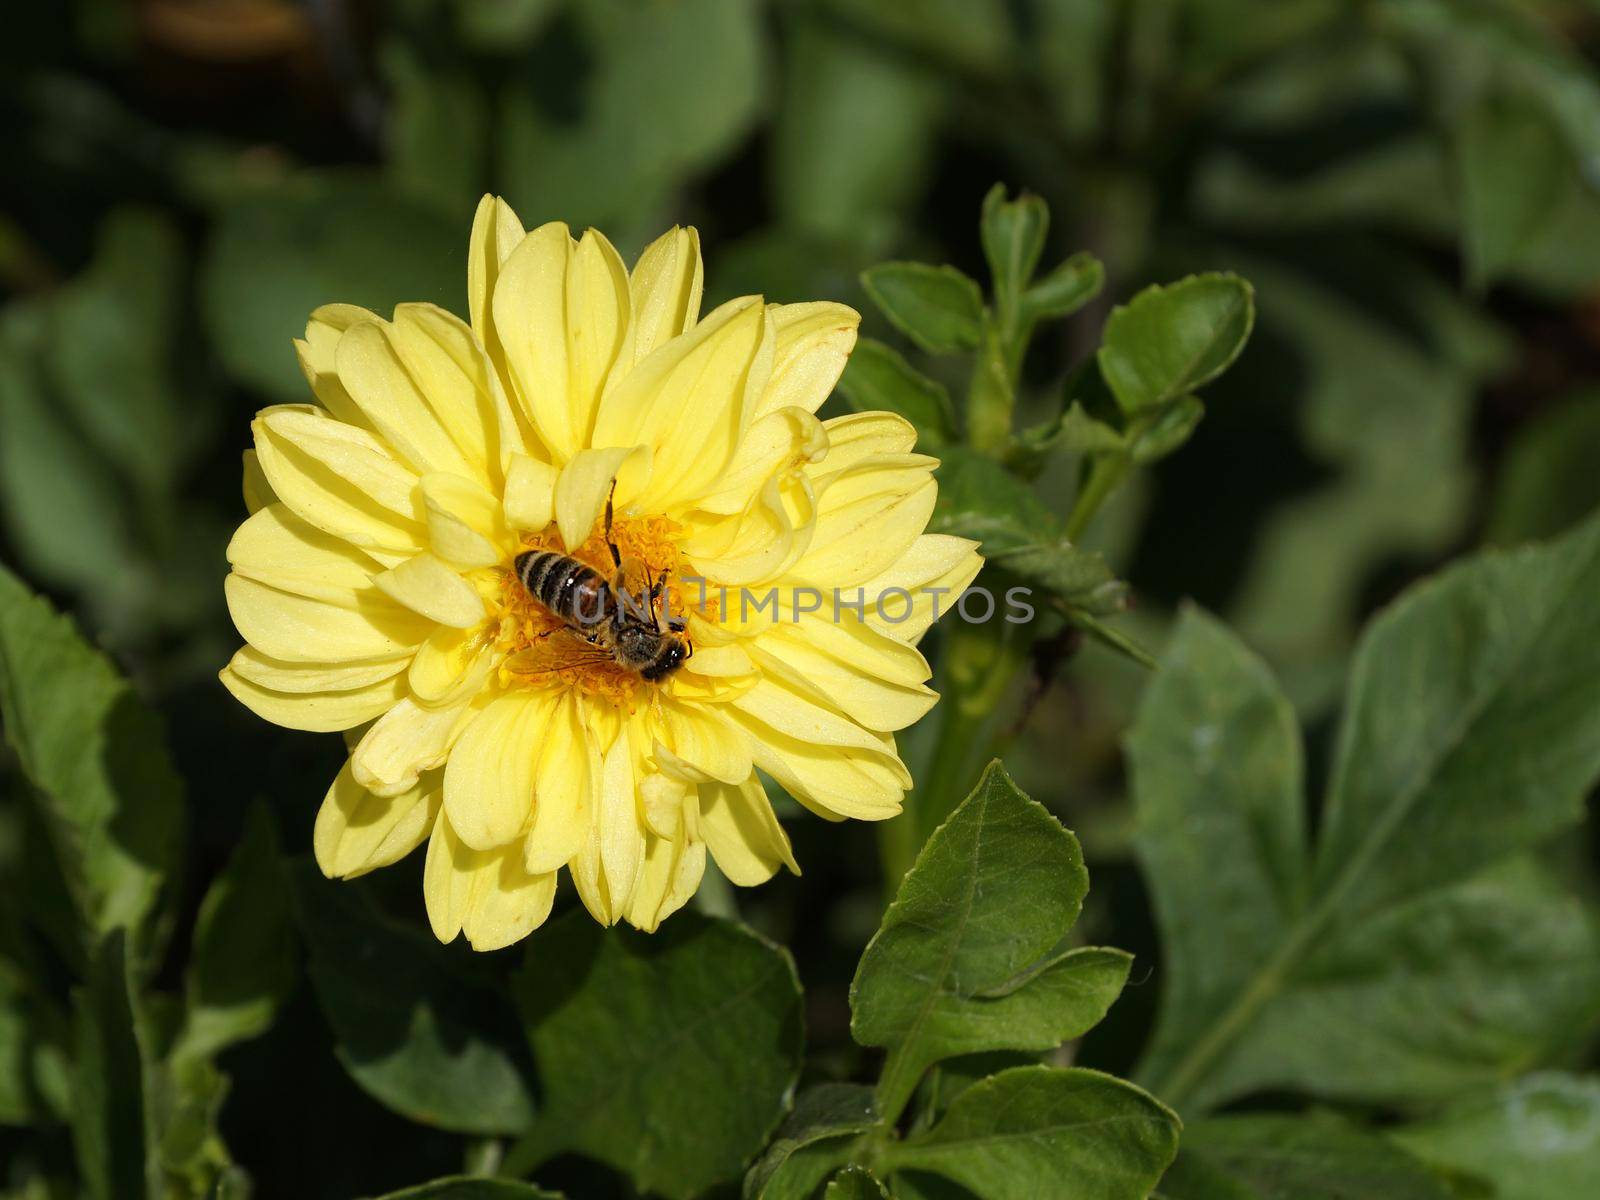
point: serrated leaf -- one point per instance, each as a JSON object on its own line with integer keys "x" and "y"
{"x": 1276, "y": 1157}
{"x": 980, "y": 499}
{"x": 1530, "y": 1138}
{"x": 1170, "y": 340}
{"x": 465, "y": 1187}
{"x": 1017, "y": 1135}
{"x": 1512, "y": 167}
{"x": 419, "y": 1026}
{"x": 95, "y": 757}
{"x": 243, "y": 963}
{"x": 812, "y": 1141}
{"x": 938, "y": 308}
{"x": 625, "y": 1025}
{"x": 1013, "y": 233}
{"x": 855, "y": 1183}
{"x": 966, "y": 959}
{"x": 1065, "y": 289}
{"x": 1423, "y": 973}
{"x": 878, "y": 378}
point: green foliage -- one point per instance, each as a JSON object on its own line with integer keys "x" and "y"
{"x": 1308, "y": 1158}
{"x": 1527, "y": 1139}
{"x": 1446, "y": 968}
{"x": 422, "y": 1032}
{"x": 1168, "y": 341}
{"x": 625, "y": 1025}
{"x": 84, "y": 743}
{"x": 938, "y": 308}
{"x": 973, "y": 956}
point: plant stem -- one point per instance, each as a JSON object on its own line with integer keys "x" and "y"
{"x": 1105, "y": 476}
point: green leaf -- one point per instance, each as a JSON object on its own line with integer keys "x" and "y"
{"x": 938, "y": 308}
{"x": 438, "y": 134}
{"x": 1169, "y": 340}
{"x": 1282, "y": 1157}
{"x": 1512, "y": 167}
{"x": 504, "y": 27}
{"x": 96, "y": 760}
{"x": 65, "y": 513}
{"x": 1532, "y": 1138}
{"x": 1066, "y": 289}
{"x": 1169, "y": 432}
{"x": 281, "y": 252}
{"x": 1546, "y": 481}
{"x": 1013, "y": 233}
{"x": 878, "y": 378}
{"x": 979, "y": 499}
{"x": 835, "y": 174}
{"x": 813, "y": 1140}
{"x": 967, "y": 958}
{"x": 1018, "y": 1134}
{"x": 243, "y": 964}
{"x": 610, "y": 148}
{"x": 464, "y": 1187}
{"x": 1422, "y": 973}
{"x": 423, "y": 1028}
{"x": 625, "y": 1025}
{"x": 111, "y": 332}
{"x": 110, "y": 1129}
{"x": 855, "y": 1183}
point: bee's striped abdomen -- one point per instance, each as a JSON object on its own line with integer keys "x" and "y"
{"x": 572, "y": 590}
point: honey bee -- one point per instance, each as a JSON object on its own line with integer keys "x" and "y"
{"x": 622, "y": 621}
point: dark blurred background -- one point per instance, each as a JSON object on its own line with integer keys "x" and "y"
{"x": 1409, "y": 185}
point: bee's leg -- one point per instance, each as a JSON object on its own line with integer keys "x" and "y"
{"x": 616, "y": 555}
{"x": 655, "y": 594}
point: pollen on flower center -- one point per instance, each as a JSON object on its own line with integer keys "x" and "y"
{"x": 541, "y": 650}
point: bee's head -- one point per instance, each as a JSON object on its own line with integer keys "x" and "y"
{"x": 674, "y": 650}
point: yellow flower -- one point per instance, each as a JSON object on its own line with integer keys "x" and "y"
{"x": 375, "y": 589}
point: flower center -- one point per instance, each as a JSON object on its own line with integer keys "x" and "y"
{"x": 542, "y": 649}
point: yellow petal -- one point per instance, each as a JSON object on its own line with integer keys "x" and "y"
{"x": 919, "y": 586}
{"x": 867, "y": 516}
{"x": 377, "y": 380}
{"x": 304, "y": 706}
{"x": 691, "y": 401}
{"x": 857, "y": 436}
{"x": 276, "y": 547}
{"x": 496, "y": 232}
{"x": 489, "y": 780}
{"x": 765, "y": 541}
{"x": 484, "y": 893}
{"x": 742, "y": 832}
{"x": 299, "y": 629}
{"x": 665, "y": 288}
{"x": 697, "y": 743}
{"x": 317, "y": 350}
{"x": 873, "y": 679}
{"x": 452, "y": 370}
{"x": 583, "y": 487}
{"x": 258, "y": 492}
{"x": 403, "y": 743}
{"x": 451, "y": 666}
{"x": 780, "y": 440}
{"x": 428, "y": 586}
{"x": 280, "y": 676}
{"x": 339, "y": 478}
{"x": 466, "y": 526}
{"x": 530, "y": 318}
{"x": 566, "y": 790}
{"x": 670, "y": 873}
{"x": 813, "y": 344}
{"x": 597, "y": 320}
{"x": 530, "y": 493}
{"x": 357, "y": 832}
{"x": 621, "y": 839}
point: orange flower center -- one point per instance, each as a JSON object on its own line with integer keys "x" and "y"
{"x": 541, "y": 649}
